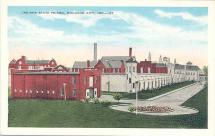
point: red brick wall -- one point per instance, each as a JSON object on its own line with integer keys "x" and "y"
{"x": 153, "y": 68}
{"x": 49, "y": 85}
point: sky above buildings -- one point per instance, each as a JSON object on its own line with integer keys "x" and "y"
{"x": 68, "y": 33}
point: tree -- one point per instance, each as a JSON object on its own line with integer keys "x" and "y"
{"x": 117, "y": 96}
{"x": 205, "y": 70}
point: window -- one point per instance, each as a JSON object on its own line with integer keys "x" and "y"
{"x": 62, "y": 92}
{"x": 95, "y": 92}
{"x": 130, "y": 68}
{"x": 97, "y": 79}
{"x": 74, "y": 80}
{"x": 88, "y": 93}
{"x": 91, "y": 81}
{"x": 149, "y": 70}
{"x": 133, "y": 85}
{"x": 133, "y": 69}
{"x": 116, "y": 70}
{"x": 84, "y": 80}
{"x": 129, "y": 80}
{"x": 141, "y": 70}
{"x": 74, "y": 92}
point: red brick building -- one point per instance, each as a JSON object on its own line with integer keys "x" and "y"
{"x": 149, "y": 67}
{"x": 24, "y": 64}
{"x": 58, "y": 83}
{"x": 111, "y": 66}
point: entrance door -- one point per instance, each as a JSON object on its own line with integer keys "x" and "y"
{"x": 91, "y": 93}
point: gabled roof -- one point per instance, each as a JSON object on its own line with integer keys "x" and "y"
{"x": 192, "y": 67}
{"x": 123, "y": 58}
{"x": 13, "y": 61}
{"x": 119, "y": 58}
{"x": 179, "y": 66}
{"x": 83, "y": 64}
{"x": 160, "y": 64}
{"x": 61, "y": 67}
{"x": 112, "y": 63}
{"x": 37, "y": 61}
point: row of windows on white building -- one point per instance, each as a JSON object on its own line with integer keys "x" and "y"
{"x": 187, "y": 73}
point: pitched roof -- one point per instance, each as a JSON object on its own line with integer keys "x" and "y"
{"x": 116, "y": 61}
{"x": 179, "y": 66}
{"x": 160, "y": 64}
{"x": 83, "y": 64}
{"x": 192, "y": 67}
{"x": 37, "y": 61}
{"x": 123, "y": 58}
{"x": 13, "y": 61}
{"x": 112, "y": 63}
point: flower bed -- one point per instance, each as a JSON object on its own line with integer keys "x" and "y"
{"x": 152, "y": 109}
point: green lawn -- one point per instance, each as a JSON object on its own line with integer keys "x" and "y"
{"x": 146, "y": 94}
{"x": 57, "y": 113}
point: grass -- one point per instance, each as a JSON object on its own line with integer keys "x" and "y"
{"x": 57, "y": 113}
{"x": 146, "y": 94}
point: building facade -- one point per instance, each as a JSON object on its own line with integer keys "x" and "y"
{"x": 44, "y": 79}
{"x": 56, "y": 84}
{"x": 24, "y": 64}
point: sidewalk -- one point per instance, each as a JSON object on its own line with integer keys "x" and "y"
{"x": 171, "y": 99}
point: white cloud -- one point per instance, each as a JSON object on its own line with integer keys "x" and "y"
{"x": 147, "y": 33}
{"x": 203, "y": 20}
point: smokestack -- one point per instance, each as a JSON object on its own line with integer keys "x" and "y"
{"x": 130, "y": 52}
{"x": 149, "y": 57}
{"x": 95, "y": 51}
{"x": 23, "y": 58}
{"x": 88, "y": 63}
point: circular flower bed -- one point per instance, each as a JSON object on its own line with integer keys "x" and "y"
{"x": 152, "y": 109}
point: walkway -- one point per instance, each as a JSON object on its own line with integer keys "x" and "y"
{"x": 173, "y": 99}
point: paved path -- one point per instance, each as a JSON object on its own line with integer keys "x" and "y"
{"x": 172, "y": 99}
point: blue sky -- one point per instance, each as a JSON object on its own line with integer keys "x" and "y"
{"x": 169, "y": 31}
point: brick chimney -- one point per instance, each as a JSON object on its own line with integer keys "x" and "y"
{"x": 130, "y": 52}
{"x": 23, "y": 58}
{"x": 88, "y": 63}
{"x": 95, "y": 51}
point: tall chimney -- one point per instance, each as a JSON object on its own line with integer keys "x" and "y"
{"x": 130, "y": 52}
{"x": 24, "y": 58}
{"x": 88, "y": 63}
{"x": 95, "y": 51}
{"x": 149, "y": 57}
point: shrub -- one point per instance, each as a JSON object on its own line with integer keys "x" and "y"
{"x": 117, "y": 96}
{"x": 105, "y": 103}
{"x": 131, "y": 108}
{"x": 87, "y": 100}
{"x": 95, "y": 100}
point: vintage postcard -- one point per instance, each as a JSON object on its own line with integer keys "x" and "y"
{"x": 107, "y": 69}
